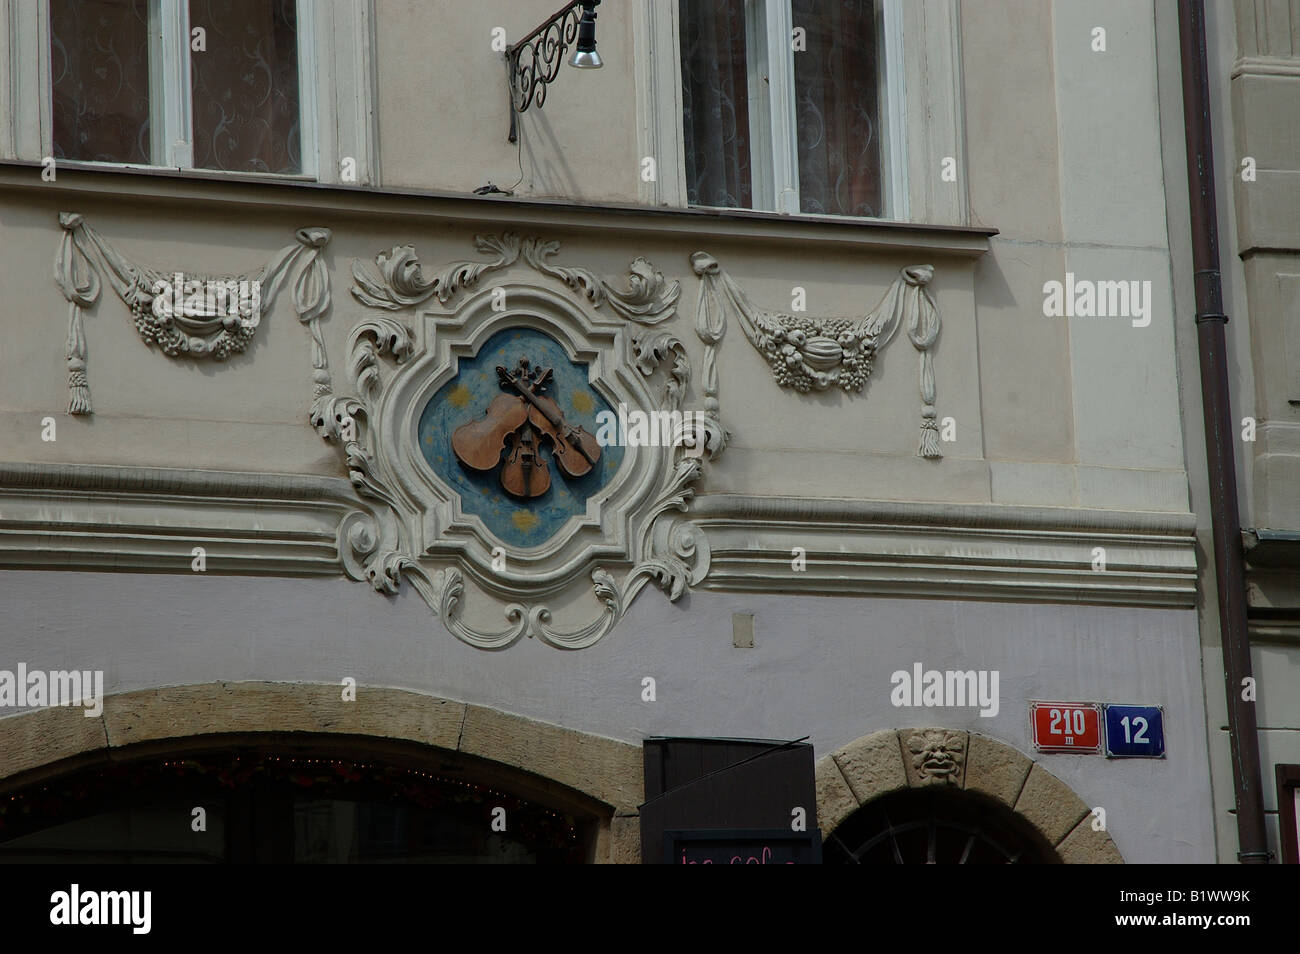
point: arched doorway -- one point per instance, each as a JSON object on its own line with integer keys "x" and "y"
{"x": 292, "y": 771}
{"x": 936, "y": 826}
{"x": 938, "y": 795}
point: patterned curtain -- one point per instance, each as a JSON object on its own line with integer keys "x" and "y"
{"x": 715, "y": 103}
{"x": 245, "y": 86}
{"x": 99, "y": 63}
{"x": 837, "y": 108}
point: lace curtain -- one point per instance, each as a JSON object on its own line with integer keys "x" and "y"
{"x": 245, "y": 86}
{"x": 715, "y": 103}
{"x": 99, "y": 64}
{"x": 836, "y": 93}
{"x": 836, "y": 109}
{"x": 244, "y": 83}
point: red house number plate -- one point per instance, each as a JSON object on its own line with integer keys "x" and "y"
{"x": 1066, "y": 727}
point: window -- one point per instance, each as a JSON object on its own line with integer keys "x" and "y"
{"x": 247, "y": 86}
{"x": 190, "y": 84}
{"x": 786, "y": 106}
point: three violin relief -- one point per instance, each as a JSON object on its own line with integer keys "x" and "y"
{"x": 518, "y": 424}
{"x": 475, "y": 430}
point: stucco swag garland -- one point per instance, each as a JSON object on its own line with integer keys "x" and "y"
{"x": 810, "y": 353}
{"x": 376, "y": 546}
{"x": 209, "y": 335}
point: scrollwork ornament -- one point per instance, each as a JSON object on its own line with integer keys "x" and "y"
{"x": 401, "y": 282}
{"x": 388, "y": 360}
{"x": 535, "y": 60}
{"x": 651, "y": 349}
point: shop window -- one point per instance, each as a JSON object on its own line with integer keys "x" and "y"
{"x": 259, "y": 806}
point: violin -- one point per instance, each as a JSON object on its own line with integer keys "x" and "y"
{"x": 479, "y": 443}
{"x": 574, "y": 450}
{"x": 572, "y": 447}
{"x": 524, "y": 473}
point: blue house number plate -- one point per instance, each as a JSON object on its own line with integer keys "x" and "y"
{"x": 1135, "y": 732}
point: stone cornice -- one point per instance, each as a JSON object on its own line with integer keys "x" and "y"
{"x": 96, "y": 478}
{"x": 801, "y": 511}
{"x": 80, "y": 517}
{"x": 947, "y": 551}
{"x": 88, "y": 517}
{"x": 225, "y": 192}
{"x": 1265, "y": 66}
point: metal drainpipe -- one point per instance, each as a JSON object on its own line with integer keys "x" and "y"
{"x": 1229, "y": 566}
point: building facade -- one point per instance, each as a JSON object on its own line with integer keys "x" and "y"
{"x": 1253, "y": 63}
{"x": 821, "y": 380}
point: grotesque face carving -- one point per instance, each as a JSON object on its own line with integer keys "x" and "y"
{"x": 937, "y": 753}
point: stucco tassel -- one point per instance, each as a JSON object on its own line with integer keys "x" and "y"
{"x": 923, "y": 332}
{"x": 71, "y": 266}
{"x": 78, "y": 386}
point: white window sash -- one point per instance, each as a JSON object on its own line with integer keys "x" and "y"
{"x": 781, "y": 125}
{"x": 169, "y": 83}
{"x": 26, "y": 84}
{"x": 893, "y": 100}
{"x": 757, "y": 93}
{"x": 308, "y": 114}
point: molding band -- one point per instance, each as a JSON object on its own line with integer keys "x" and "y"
{"x": 947, "y": 551}
{"x": 81, "y": 517}
{"x": 221, "y": 194}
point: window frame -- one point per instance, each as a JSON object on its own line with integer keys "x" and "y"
{"x": 922, "y": 113}
{"x": 336, "y": 90}
{"x": 1288, "y": 811}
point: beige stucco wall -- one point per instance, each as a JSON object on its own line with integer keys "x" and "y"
{"x": 1034, "y": 425}
{"x": 1065, "y": 416}
{"x": 444, "y": 104}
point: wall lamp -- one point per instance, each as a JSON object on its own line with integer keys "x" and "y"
{"x": 534, "y": 61}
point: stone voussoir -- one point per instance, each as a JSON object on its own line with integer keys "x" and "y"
{"x": 835, "y": 800}
{"x": 873, "y": 765}
{"x": 179, "y": 711}
{"x": 33, "y": 739}
{"x": 996, "y": 769}
{"x": 1086, "y": 846}
{"x": 606, "y": 769}
{"x": 1049, "y": 805}
{"x": 936, "y": 750}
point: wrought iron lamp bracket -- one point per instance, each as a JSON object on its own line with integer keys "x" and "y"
{"x": 534, "y": 62}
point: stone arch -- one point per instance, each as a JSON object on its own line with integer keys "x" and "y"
{"x": 881, "y": 763}
{"x": 600, "y": 776}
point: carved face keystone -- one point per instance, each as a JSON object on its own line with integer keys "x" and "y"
{"x": 937, "y": 753}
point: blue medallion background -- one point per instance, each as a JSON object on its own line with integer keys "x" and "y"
{"x": 465, "y": 398}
